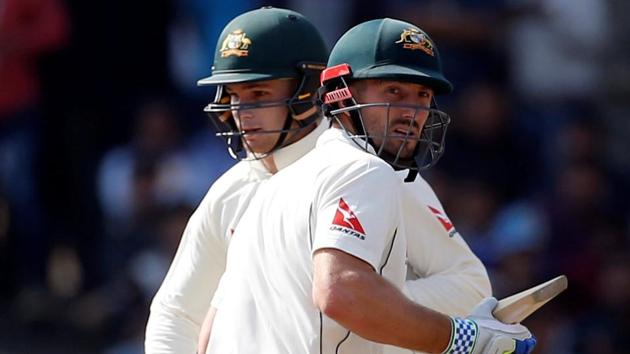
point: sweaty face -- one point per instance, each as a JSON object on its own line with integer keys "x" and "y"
{"x": 260, "y": 126}
{"x": 395, "y": 129}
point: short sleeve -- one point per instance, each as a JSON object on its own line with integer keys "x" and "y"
{"x": 356, "y": 210}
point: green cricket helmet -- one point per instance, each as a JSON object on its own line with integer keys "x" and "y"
{"x": 389, "y": 50}
{"x": 266, "y": 44}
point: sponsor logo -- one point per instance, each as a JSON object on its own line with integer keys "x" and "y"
{"x": 415, "y": 39}
{"x": 236, "y": 43}
{"x": 347, "y": 222}
{"x": 347, "y": 231}
{"x": 443, "y": 219}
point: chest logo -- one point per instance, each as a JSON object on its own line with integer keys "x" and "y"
{"x": 236, "y": 43}
{"x": 346, "y": 221}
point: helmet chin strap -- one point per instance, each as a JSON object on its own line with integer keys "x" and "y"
{"x": 411, "y": 176}
{"x": 303, "y": 117}
{"x": 286, "y": 128}
{"x": 283, "y": 136}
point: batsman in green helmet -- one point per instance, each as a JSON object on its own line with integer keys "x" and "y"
{"x": 366, "y": 60}
{"x": 379, "y": 89}
{"x": 266, "y": 70}
{"x": 318, "y": 262}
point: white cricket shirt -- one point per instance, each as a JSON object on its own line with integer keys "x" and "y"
{"x": 181, "y": 303}
{"x": 443, "y": 273}
{"x": 336, "y": 196}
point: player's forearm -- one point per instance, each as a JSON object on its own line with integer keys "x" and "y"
{"x": 376, "y": 310}
{"x": 367, "y": 304}
{"x": 206, "y": 330}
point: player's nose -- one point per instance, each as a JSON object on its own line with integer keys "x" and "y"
{"x": 412, "y": 114}
{"x": 245, "y": 114}
{"x": 408, "y": 113}
{"x": 418, "y": 115}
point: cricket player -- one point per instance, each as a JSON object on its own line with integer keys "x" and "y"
{"x": 317, "y": 261}
{"x": 452, "y": 284}
{"x": 267, "y": 62}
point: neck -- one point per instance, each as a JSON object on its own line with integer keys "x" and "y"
{"x": 270, "y": 164}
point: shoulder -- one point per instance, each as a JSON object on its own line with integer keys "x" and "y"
{"x": 227, "y": 198}
{"x": 351, "y": 166}
{"x": 421, "y": 190}
{"x": 422, "y": 185}
{"x": 239, "y": 179}
{"x": 338, "y": 152}
{"x": 243, "y": 173}
{"x": 348, "y": 158}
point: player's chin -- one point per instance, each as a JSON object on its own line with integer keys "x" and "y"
{"x": 404, "y": 149}
{"x": 258, "y": 147}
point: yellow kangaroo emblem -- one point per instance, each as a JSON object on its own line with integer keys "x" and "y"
{"x": 236, "y": 43}
{"x": 414, "y": 39}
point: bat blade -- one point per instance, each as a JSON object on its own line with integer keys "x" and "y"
{"x": 517, "y": 307}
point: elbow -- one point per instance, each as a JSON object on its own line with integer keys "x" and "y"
{"x": 333, "y": 301}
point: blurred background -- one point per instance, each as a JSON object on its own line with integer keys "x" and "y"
{"x": 105, "y": 152}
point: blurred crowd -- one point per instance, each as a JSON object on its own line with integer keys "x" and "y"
{"x": 105, "y": 152}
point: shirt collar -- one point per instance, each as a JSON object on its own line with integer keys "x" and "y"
{"x": 289, "y": 154}
{"x": 337, "y": 134}
{"x": 257, "y": 169}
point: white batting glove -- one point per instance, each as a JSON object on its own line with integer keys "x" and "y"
{"x": 482, "y": 333}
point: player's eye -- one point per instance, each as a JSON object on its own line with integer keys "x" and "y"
{"x": 260, "y": 93}
{"x": 393, "y": 90}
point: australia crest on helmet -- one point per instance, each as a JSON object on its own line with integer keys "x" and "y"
{"x": 236, "y": 43}
{"x": 414, "y": 39}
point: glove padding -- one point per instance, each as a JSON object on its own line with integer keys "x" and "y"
{"x": 481, "y": 333}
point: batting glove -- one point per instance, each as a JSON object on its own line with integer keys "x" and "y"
{"x": 482, "y": 333}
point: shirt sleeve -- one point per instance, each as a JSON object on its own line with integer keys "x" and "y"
{"x": 183, "y": 299}
{"x": 452, "y": 287}
{"x": 443, "y": 273}
{"x": 356, "y": 210}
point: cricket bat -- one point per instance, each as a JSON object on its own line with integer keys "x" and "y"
{"x": 516, "y": 308}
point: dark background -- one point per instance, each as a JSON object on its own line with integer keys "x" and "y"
{"x": 105, "y": 152}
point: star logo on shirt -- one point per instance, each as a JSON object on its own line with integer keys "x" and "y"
{"x": 346, "y": 221}
{"x": 443, "y": 219}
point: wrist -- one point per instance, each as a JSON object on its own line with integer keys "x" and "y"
{"x": 464, "y": 333}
